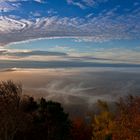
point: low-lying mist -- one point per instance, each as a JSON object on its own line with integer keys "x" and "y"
{"x": 76, "y": 89}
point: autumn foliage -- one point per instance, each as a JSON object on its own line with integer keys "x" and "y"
{"x": 103, "y": 122}
{"x": 127, "y": 121}
{"x": 23, "y": 118}
{"x": 81, "y": 130}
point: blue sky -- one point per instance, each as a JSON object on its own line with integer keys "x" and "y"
{"x": 59, "y": 49}
{"x": 96, "y": 20}
{"x": 82, "y": 29}
{"x": 66, "y": 8}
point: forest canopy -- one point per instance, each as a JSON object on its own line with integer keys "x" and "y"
{"x": 24, "y": 118}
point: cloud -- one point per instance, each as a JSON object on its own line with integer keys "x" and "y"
{"x": 32, "y": 53}
{"x": 83, "y": 4}
{"x": 105, "y": 26}
{"x": 37, "y": 64}
{"x": 10, "y": 5}
{"x": 40, "y": 1}
{"x": 35, "y": 14}
{"x": 5, "y": 6}
{"x": 72, "y": 2}
{"x": 89, "y": 2}
{"x": 91, "y": 58}
{"x": 51, "y": 12}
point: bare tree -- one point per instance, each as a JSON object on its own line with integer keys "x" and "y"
{"x": 10, "y": 114}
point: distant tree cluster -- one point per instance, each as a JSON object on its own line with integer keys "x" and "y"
{"x": 23, "y": 118}
{"x": 121, "y": 124}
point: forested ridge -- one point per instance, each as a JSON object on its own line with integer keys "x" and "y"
{"x": 24, "y": 118}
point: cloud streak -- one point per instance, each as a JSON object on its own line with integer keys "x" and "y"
{"x": 83, "y": 4}
{"x": 96, "y": 29}
{"x": 103, "y": 26}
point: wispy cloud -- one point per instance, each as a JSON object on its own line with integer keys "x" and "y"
{"x": 104, "y": 26}
{"x": 6, "y": 6}
{"x": 97, "y": 28}
{"x": 10, "y": 5}
{"x": 85, "y": 3}
{"x": 93, "y": 55}
{"x": 72, "y": 2}
{"x": 82, "y": 4}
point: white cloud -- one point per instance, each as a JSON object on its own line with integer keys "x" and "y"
{"x": 9, "y": 5}
{"x": 40, "y": 1}
{"x": 103, "y": 27}
{"x": 85, "y": 3}
{"x": 35, "y": 14}
{"x": 72, "y": 2}
{"x": 4, "y": 6}
{"x": 89, "y": 2}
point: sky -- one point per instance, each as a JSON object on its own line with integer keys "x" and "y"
{"x": 69, "y": 33}
{"x": 73, "y": 51}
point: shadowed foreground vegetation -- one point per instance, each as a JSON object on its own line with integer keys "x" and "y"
{"x": 23, "y": 118}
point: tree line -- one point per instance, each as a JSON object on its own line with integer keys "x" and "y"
{"x": 24, "y": 118}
